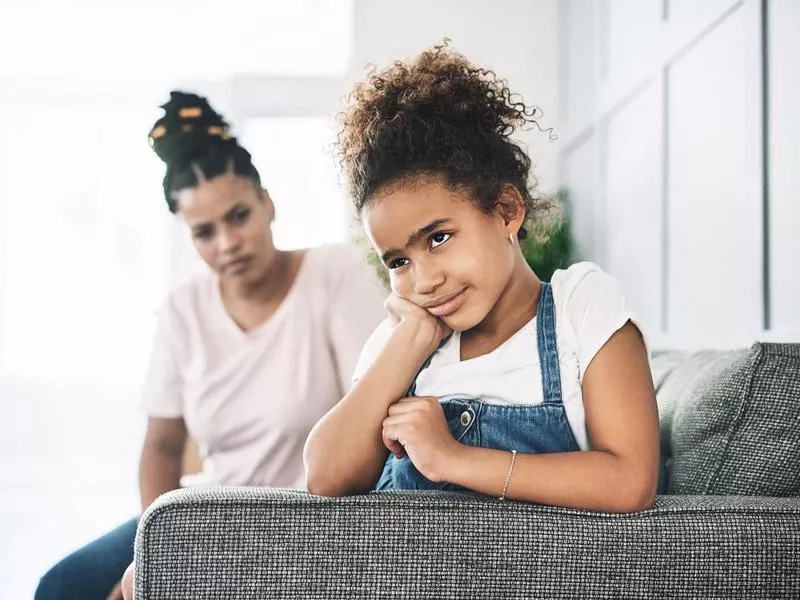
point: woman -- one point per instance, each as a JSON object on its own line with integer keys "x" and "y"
{"x": 249, "y": 355}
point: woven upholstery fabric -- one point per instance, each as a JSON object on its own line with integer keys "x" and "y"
{"x": 238, "y": 543}
{"x": 730, "y": 421}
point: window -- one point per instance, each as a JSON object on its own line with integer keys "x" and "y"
{"x": 295, "y": 158}
{"x": 84, "y": 242}
{"x": 87, "y": 247}
{"x": 83, "y": 257}
{"x": 87, "y": 252}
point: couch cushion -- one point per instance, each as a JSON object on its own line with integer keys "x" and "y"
{"x": 730, "y": 421}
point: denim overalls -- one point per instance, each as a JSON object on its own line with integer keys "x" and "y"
{"x": 528, "y": 429}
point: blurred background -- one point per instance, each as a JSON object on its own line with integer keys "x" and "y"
{"x": 674, "y": 160}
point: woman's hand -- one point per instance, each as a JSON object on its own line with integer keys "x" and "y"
{"x": 430, "y": 330}
{"x": 116, "y": 593}
{"x": 416, "y": 426}
{"x": 126, "y": 584}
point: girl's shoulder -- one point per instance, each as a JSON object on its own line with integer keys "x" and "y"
{"x": 594, "y": 305}
{"x": 583, "y": 284}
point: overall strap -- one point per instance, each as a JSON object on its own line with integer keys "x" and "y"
{"x": 412, "y": 390}
{"x": 548, "y": 346}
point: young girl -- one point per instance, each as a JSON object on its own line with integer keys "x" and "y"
{"x": 484, "y": 378}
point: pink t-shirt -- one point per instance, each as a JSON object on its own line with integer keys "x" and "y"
{"x": 250, "y": 399}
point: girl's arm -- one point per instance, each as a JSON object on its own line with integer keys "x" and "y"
{"x": 344, "y": 453}
{"x": 618, "y": 474}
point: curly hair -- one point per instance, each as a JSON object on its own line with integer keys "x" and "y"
{"x": 437, "y": 115}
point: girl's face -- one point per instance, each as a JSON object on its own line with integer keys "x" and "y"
{"x": 442, "y": 251}
{"x": 229, "y": 220}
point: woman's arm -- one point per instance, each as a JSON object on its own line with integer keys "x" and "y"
{"x": 160, "y": 467}
{"x": 618, "y": 474}
{"x": 161, "y": 461}
{"x": 356, "y": 308}
{"x": 344, "y": 453}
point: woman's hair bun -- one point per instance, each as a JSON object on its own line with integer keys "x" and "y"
{"x": 189, "y": 128}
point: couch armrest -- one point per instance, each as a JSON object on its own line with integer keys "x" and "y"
{"x": 268, "y": 543}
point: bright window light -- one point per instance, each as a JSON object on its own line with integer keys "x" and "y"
{"x": 295, "y": 159}
{"x": 138, "y": 40}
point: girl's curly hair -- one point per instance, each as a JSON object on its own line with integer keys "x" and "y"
{"x": 437, "y": 115}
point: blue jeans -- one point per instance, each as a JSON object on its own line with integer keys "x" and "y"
{"x": 91, "y": 572}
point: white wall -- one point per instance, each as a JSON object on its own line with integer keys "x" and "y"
{"x": 663, "y": 153}
{"x": 516, "y": 38}
{"x": 784, "y": 100}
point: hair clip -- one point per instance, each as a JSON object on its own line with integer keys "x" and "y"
{"x": 156, "y": 134}
{"x": 190, "y": 112}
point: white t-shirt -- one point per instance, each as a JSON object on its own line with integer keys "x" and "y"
{"x": 590, "y": 307}
{"x": 250, "y": 399}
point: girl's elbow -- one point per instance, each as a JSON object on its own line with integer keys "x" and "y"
{"x": 639, "y": 502}
{"x": 321, "y": 477}
{"x": 320, "y": 485}
{"x": 333, "y": 483}
{"x": 637, "y": 497}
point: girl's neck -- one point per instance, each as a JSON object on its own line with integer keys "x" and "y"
{"x": 516, "y": 306}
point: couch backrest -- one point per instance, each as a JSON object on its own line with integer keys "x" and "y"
{"x": 730, "y": 421}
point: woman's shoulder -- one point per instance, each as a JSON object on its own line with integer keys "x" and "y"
{"x": 341, "y": 264}
{"x": 338, "y": 256}
{"x": 373, "y": 347}
{"x": 193, "y": 294}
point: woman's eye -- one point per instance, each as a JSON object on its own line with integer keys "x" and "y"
{"x": 437, "y": 239}
{"x": 203, "y": 234}
{"x": 240, "y": 216}
{"x": 397, "y": 263}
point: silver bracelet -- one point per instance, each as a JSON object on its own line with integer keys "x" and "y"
{"x": 508, "y": 475}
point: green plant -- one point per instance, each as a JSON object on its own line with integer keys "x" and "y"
{"x": 361, "y": 241}
{"x": 549, "y": 243}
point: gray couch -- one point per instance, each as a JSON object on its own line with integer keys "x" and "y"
{"x": 729, "y": 526}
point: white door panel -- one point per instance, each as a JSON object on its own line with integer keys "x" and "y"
{"x": 634, "y": 204}
{"x": 715, "y": 198}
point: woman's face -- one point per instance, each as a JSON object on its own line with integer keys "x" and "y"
{"x": 442, "y": 251}
{"x": 229, "y": 220}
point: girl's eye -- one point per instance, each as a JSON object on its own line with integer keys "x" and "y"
{"x": 397, "y": 263}
{"x": 439, "y": 238}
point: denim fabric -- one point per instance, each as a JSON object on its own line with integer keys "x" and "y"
{"x": 528, "y": 429}
{"x": 91, "y": 572}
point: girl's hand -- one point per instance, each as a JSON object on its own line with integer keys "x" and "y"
{"x": 429, "y": 329}
{"x": 417, "y": 426}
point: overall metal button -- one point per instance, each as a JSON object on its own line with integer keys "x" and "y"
{"x": 466, "y": 418}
